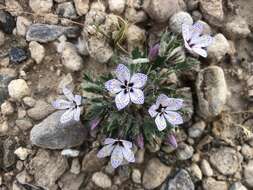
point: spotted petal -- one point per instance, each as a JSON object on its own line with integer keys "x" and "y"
{"x": 137, "y": 96}
{"x": 174, "y": 104}
{"x": 68, "y": 94}
{"x": 199, "y": 51}
{"x": 196, "y": 30}
{"x": 77, "y": 113}
{"x": 122, "y": 73}
{"x": 105, "y": 151}
{"x": 186, "y": 32}
{"x": 117, "y": 156}
{"x": 128, "y": 154}
{"x": 162, "y": 100}
{"x": 122, "y": 100}
{"x": 67, "y": 116}
{"x": 139, "y": 80}
{"x": 78, "y": 100}
{"x": 173, "y": 117}
{"x": 202, "y": 41}
{"x": 62, "y": 104}
{"x": 113, "y": 86}
{"x": 160, "y": 122}
{"x": 127, "y": 144}
{"x": 152, "y": 110}
{"x": 109, "y": 141}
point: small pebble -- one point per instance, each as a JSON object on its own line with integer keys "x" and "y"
{"x": 17, "y": 55}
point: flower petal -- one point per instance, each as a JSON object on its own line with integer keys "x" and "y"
{"x": 186, "y": 32}
{"x": 113, "y": 86}
{"x": 109, "y": 141}
{"x": 160, "y": 122}
{"x": 128, "y": 154}
{"x": 122, "y": 100}
{"x": 77, "y": 113}
{"x": 174, "y": 104}
{"x": 162, "y": 100}
{"x": 62, "y": 104}
{"x": 202, "y": 41}
{"x": 137, "y": 96}
{"x": 78, "y": 100}
{"x": 122, "y": 73}
{"x": 139, "y": 80}
{"x": 105, "y": 151}
{"x": 127, "y": 144}
{"x": 196, "y": 30}
{"x": 152, "y": 110}
{"x": 68, "y": 94}
{"x": 173, "y": 117}
{"x": 117, "y": 156}
{"x": 67, "y": 116}
{"x": 200, "y": 51}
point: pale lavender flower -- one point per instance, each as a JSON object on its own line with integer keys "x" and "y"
{"x": 153, "y": 52}
{"x": 140, "y": 141}
{"x": 126, "y": 87}
{"x": 118, "y": 149}
{"x": 164, "y": 109}
{"x": 72, "y": 105}
{"x": 194, "y": 40}
{"x": 171, "y": 139}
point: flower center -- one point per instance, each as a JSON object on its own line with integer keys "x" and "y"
{"x": 161, "y": 109}
{"x": 127, "y": 86}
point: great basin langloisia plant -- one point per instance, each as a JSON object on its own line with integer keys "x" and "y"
{"x": 134, "y": 105}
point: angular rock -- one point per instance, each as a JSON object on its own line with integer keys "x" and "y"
{"x": 219, "y": 48}
{"x": 211, "y": 91}
{"x": 82, "y": 6}
{"x": 22, "y": 25}
{"x": 6, "y": 75}
{"x": 47, "y": 167}
{"x": 37, "y": 51}
{"x": 71, "y": 181}
{"x": 52, "y": 134}
{"x": 226, "y": 160}
{"x": 41, "y": 6}
{"x": 181, "y": 181}
{"x": 101, "y": 180}
{"x": 155, "y": 174}
{"x": 46, "y": 33}
{"x": 66, "y": 10}
{"x": 7, "y": 22}
{"x": 248, "y": 173}
{"x": 212, "y": 184}
{"x": 18, "y": 89}
{"x": 135, "y": 37}
{"x": 178, "y": 19}
{"x": 17, "y": 55}
{"x": 162, "y": 10}
{"x": 238, "y": 28}
{"x": 212, "y": 11}
{"x": 22, "y": 153}
{"x": 41, "y": 110}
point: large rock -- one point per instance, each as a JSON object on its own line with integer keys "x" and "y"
{"x": 182, "y": 181}
{"x": 162, "y": 10}
{"x": 47, "y": 167}
{"x": 155, "y": 174}
{"x": 226, "y": 160}
{"x": 211, "y": 91}
{"x": 46, "y": 33}
{"x": 52, "y": 134}
{"x": 40, "y": 110}
{"x": 212, "y": 11}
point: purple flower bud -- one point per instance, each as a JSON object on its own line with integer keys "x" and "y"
{"x": 94, "y": 123}
{"x": 140, "y": 141}
{"x": 153, "y": 52}
{"x": 171, "y": 139}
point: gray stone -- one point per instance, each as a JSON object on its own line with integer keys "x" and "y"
{"x": 212, "y": 11}
{"x": 24, "y": 124}
{"x": 178, "y": 19}
{"x": 66, "y": 10}
{"x": 211, "y": 91}
{"x": 195, "y": 172}
{"x": 41, "y": 110}
{"x": 238, "y": 28}
{"x": 247, "y": 152}
{"x": 212, "y": 184}
{"x": 41, "y": 6}
{"x": 47, "y": 167}
{"x": 155, "y": 174}
{"x": 184, "y": 151}
{"x": 206, "y": 168}
{"x": 181, "y": 181}
{"x": 52, "y": 134}
{"x": 162, "y": 10}
{"x": 248, "y": 173}
{"x": 237, "y": 186}
{"x": 101, "y": 180}
{"x": 9, "y": 157}
{"x": 226, "y": 160}
{"x": 71, "y": 181}
{"x": 46, "y": 33}
{"x": 37, "y": 51}
{"x": 197, "y": 129}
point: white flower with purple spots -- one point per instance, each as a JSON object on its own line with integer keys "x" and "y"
{"x": 164, "y": 109}
{"x": 118, "y": 149}
{"x": 194, "y": 40}
{"x": 72, "y": 105}
{"x": 126, "y": 87}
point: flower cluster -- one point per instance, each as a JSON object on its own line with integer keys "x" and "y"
{"x": 128, "y": 103}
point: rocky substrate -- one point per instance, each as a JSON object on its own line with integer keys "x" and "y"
{"x": 46, "y": 45}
